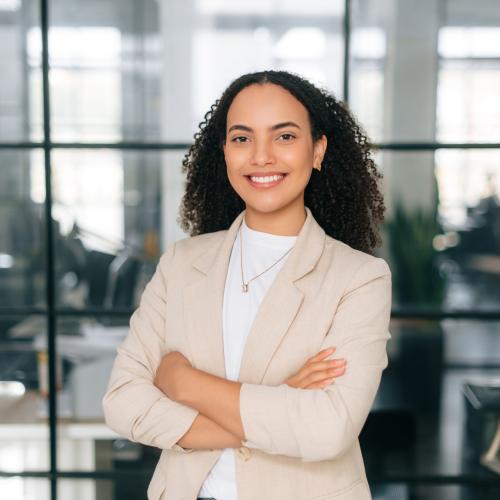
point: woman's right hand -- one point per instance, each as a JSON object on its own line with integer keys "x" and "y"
{"x": 317, "y": 372}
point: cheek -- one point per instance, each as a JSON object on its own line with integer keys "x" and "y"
{"x": 235, "y": 162}
{"x": 232, "y": 169}
{"x": 299, "y": 157}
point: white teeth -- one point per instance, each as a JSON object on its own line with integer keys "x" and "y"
{"x": 263, "y": 180}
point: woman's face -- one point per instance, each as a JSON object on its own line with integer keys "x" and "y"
{"x": 268, "y": 134}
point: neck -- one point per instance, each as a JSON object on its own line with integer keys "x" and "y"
{"x": 280, "y": 223}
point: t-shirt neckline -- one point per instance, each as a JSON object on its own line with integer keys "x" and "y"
{"x": 253, "y": 237}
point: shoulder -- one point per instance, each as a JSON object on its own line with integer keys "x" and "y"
{"x": 187, "y": 249}
{"x": 354, "y": 262}
{"x": 195, "y": 245}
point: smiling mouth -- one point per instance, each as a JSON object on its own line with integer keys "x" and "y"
{"x": 266, "y": 181}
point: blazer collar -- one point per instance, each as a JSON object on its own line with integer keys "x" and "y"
{"x": 203, "y": 303}
{"x": 302, "y": 259}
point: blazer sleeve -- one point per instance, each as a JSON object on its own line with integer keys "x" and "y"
{"x": 133, "y": 406}
{"x": 321, "y": 424}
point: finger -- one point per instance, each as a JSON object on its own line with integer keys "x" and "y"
{"x": 318, "y": 379}
{"x": 328, "y": 363}
{"x": 307, "y": 370}
{"x": 323, "y": 365}
{"x": 323, "y": 354}
{"x": 323, "y": 374}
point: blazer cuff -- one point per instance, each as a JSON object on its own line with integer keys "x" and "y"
{"x": 184, "y": 424}
{"x": 266, "y": 425}
{"x": 176, "y": 447}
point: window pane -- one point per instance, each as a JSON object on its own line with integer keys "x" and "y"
{"x": 149, "y": 71}
{"x": 421, "y": 423}
{"x": 441, "y": 230}
{"x": 468, "y": 100}
{"x": 469, "y": 73}
{"x": 22, "y": 229}
{"x": 393, "y": 68}
{"x": 20, "y": 85}
{"x": 24, "y": 488}
{"x": 426, "y": 71}
{"x": 116, "y": 212}
{"x": 87, "y": 351}
{"x": 24, "y": 439}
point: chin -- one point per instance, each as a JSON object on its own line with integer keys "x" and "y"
{"x": 265, "y": 208}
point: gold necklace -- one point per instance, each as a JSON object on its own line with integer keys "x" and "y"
{"x": 244, "y": 286}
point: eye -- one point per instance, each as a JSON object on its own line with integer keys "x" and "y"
{"x": 236, "y": 139}
{"x": 287, "y": 137}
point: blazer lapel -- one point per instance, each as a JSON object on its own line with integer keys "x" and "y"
{"x": 203, "y": 302}
{"x": 281, "y": 302}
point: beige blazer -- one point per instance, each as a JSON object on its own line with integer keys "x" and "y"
{"x": 301, "y": 444}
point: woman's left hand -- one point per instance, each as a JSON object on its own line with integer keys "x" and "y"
{"x": 172, "y": 370}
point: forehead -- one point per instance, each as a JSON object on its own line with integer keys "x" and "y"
{"x": 265, "y": 104}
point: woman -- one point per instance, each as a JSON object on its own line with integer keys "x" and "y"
{"x": 225, "y": 366}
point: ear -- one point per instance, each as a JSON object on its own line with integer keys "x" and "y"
{"x": 319, "y": 151}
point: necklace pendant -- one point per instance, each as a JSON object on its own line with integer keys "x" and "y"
{"x": 244, "y": 287}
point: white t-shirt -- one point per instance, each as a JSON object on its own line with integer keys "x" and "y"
{"x": 260, "y": 250}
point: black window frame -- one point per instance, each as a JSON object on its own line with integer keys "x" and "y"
{"x": 53, "y": 313}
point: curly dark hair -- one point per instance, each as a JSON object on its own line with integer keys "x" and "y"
{"x": 343, "y": 197}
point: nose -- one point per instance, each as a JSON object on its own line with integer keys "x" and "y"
{"x": 262, "y": 153}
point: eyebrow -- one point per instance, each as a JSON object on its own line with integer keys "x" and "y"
{"x": 274, "y": 127}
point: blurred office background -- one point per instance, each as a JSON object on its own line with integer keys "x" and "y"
{"x": 106, "y": 128}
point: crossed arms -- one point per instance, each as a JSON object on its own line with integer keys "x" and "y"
{"x": 309, "y": 424}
